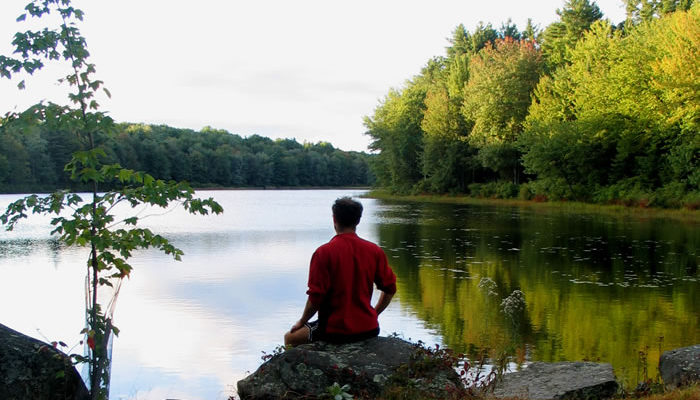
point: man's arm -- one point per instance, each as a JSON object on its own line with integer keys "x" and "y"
{"x": 309, "y": 310}
{"x": 383, "y": 302}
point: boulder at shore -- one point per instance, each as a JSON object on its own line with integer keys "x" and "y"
{"x": 309, "y": 370}
{"x": 680, "y": 367}
{"x": 32, "y": 369}
{"x": 562, "y": 380}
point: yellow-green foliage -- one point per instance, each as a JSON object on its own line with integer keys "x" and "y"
{"x": 592, "y": 112}
{"x": 625, "y": 110}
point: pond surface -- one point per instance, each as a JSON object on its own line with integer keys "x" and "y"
{"x": 595, "y": 287}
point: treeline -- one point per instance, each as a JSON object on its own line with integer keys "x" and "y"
{"x": 32, "y": 157}
{"x": 580, "y": 110}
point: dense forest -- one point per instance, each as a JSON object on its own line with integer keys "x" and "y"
{"x": 33, "y": 159}
{"x": 580, "y": 110}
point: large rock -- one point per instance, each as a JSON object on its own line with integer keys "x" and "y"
{"x": 562, "y": 380}
{"x": 680, "y": 367}
{"x": 309, "y": 370}
{"x": 32, "y": 369}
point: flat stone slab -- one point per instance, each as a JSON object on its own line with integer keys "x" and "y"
{"x": 308, "y": 370}
{"x": 680, "y": 367}
{"x": 561, "y": 380}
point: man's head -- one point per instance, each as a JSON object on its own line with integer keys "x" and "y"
{"x": 346, "y": 213}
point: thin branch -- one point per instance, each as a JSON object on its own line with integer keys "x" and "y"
{"x": 83, "y": 106}
{"x": 109, "y": 312}
{"x": 119, "y": 200}
{"x": 168, "y": 211}
{"x": 145, "y": 207}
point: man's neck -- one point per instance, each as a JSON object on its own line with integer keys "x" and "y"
{"x": 340, "y": 231}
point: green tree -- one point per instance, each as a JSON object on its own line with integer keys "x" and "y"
{"x": 531, "y": 32}
{"x": 632, "y": 12}
{"x": 447, "y": 157}
{"x": 60, "y": 145}
{"x": 483, "y": 34}
{"x": 460, "y": 42}
{"x": 396, "y": 131}
{"x": 15, "y": 155}
{"x": 646, "y": 10}
{"x": 441, "y": 129}
{"x": 222, "y": 165}
{"x": 509, "y": 30}
{"x": 497, "y": 97}
{"x": 561, "y": 36}
{"x": 90, "y": 223}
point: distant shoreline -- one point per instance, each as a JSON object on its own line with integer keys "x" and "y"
{"x": 684, "y": 215}
{"x": 217, "y": 188}
{"x": 286, "y": 188}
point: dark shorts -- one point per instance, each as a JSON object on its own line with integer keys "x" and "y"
{"x": 316, "y": 334}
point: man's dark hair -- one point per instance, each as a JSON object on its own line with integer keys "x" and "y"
{"x": 347, "y": 212}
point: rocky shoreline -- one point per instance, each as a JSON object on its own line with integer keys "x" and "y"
{"x": 368, "y": 368}
{"x": 31, "y": 369}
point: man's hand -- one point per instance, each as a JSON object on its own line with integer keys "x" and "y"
{"x": 298, "y": 325}
{"x": 383, "y": 302}
{"x": 309, "y": 311}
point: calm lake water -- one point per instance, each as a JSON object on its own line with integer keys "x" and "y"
{"x": 595, "y": 287}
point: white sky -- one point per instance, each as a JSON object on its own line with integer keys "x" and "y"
{"x": 308, "y": 70}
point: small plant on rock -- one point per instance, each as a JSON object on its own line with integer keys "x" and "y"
{"x": 338, "y": 392}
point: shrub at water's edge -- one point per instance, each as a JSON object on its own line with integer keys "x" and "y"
{"x": 685, "y": 215}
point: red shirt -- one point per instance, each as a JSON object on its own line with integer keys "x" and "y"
{"x": 342, "y": 276}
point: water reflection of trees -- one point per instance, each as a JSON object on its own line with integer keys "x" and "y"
{"x": 30, "y": 247}
{"x": 596, "y": 288}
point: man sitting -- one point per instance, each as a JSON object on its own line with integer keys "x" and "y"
{"x": 342, "y": 275}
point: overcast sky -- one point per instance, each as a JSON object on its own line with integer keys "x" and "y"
{"x": 308, "y": 70}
